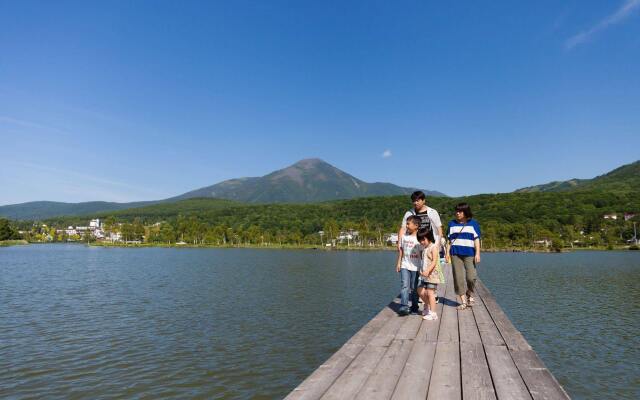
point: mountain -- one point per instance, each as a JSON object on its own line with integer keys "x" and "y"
{"x": 620, "y": 179}
{"x": 307, "y": 181}
{"x": 38, "y": 210}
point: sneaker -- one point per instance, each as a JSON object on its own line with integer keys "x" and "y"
{"x": 403, "y": 311}
{"x": 425, "y": 312}
{"x": 415, "y": 311}
{"x": 431, "y": 317}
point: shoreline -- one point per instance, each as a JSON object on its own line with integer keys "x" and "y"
{"x": 8, "y": 243}
{"x": 337, "y": 248}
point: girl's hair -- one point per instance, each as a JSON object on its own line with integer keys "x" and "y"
{"x": 426, "y": 233}
{"x": 466, "y": 210}
{"x": 415, "y": 219}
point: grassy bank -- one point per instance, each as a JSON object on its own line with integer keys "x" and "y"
{"x": 344, "y": 248}
{"x": 5, "y": 243}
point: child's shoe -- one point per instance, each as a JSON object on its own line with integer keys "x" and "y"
{"x": 431, "y": 316}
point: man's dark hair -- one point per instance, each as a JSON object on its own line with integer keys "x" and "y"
{"x": 417, "y": 195}
{"x": 415, "y": 219}
{"x": 426, "y": 233}
{"x": 466, "y": 210}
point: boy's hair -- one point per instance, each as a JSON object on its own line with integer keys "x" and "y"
{"x": 426, "y": 233}
{"x": 466, "y": 210}
{"x": 415, "y": 219}
{"x": 417, "y": 195}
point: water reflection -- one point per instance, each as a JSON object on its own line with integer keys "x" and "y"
{"x": 78, "y": 322}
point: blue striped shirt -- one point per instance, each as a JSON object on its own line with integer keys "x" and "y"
{"x": 462, "y": 237}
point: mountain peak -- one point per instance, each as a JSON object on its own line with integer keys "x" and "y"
{"x": 307, "y": 180}
{"x": 309, "y": 163}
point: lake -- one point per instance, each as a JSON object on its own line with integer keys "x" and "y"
{"x": 92, "y": 322}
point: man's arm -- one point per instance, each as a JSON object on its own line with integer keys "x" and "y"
{"x": 399, "y": 259}
{"x": 400, "y": 234}
{"x": 403, "y": 228}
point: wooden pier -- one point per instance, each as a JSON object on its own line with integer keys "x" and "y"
{"x": 475, "y": 353}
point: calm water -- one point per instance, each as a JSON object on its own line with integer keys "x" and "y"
{"x": 78, "y": 322}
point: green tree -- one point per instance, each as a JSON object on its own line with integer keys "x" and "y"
{"x": 6, "y": 230}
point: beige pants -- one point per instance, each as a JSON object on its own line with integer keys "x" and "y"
{"x": 464, "y": 271}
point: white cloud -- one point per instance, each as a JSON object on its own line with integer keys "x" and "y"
{"x": 386, "y": 154}
{"x": 625, "y": 10}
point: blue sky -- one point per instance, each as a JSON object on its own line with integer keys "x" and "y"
{"x": 125, "y": 101}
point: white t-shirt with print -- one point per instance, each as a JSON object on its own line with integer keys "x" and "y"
{"x": 411, "y": 253}
{"x": 435, "y": 221}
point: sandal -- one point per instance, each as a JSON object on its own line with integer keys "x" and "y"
{"x": 462, "y": 306}
{"x": 472, "y": 301}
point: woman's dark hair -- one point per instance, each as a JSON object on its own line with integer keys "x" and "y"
{"x": 426, "y": 233}
{"x": 466, "y": 210}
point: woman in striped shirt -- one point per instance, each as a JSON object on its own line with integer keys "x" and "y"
{"x": 464, "y": 253}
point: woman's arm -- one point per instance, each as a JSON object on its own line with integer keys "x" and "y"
{"x": 476, "y": 246}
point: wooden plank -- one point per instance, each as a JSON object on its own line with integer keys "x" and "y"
{"x": 468, "y": 328}
{"x": 512, "y": 337}
{"x": 350, "y": 382}
{"x": 448, "y": 325}
{"x": 476, "y": 379}
{"x": 445, "y": 376}
{"x": 364, "y": 335}
{"x": 409, "y": 329}
{"x": 506, "y": 378}
{"x": 429, "y": 329}
{"x": 541, "y": 383}
{"x": 488, "y": 331}
{"x": 388, "y": 331}
{"x": 382, "y": 381}
{"x": 414, "y": 381}
{"x": 321, "y": 379}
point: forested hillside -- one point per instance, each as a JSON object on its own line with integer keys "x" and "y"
{"x": 511, "y": 220}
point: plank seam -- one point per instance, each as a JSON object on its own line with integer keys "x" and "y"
{"x": 508, "y": 350}
{"x": 484, "y": 350}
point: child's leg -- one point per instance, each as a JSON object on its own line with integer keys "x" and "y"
{"x": 414, "y": 291}
{"x": 431, "y": 294}
{"x": 422, "y": 292}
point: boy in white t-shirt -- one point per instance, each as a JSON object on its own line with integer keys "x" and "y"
{"x": 408, "y": 263}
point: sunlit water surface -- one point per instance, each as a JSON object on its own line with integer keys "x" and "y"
{"x": 81, "y": 322}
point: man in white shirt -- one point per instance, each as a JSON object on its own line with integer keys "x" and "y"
{"x": 429, "y": 218}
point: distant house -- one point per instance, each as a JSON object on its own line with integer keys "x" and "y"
{"x": 391, "y": 238}
{"x": 610, "y": 216}
{"x": 347, "y": 236}
{"x": 543, "y": 242}
{"x": 628, "y": 216}
{"x": 94, "y": 223}
{"x": 114, "y": 236}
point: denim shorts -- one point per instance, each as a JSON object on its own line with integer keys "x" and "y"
{"x": 428, "y": 285}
